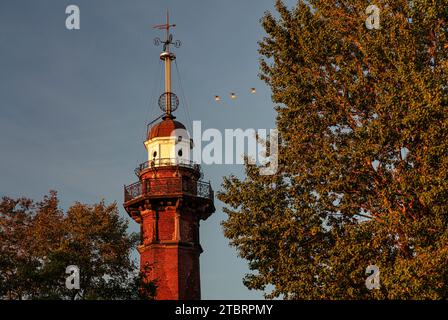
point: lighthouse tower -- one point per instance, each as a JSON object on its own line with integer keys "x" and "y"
{"x": 169, "y": 200}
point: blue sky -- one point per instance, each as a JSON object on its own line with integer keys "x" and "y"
{"x": 74, "y": 104}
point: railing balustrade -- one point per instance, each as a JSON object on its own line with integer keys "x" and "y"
{"x": 168, "y": 186}
{"x": 166, "y": 162}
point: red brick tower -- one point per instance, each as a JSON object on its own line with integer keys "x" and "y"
{"x": 169, "y": 200}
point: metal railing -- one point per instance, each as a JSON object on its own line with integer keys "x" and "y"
{"x": 168, "y": 187}
{"x": 132, "y": 191}
{"x": 166, "y": 162}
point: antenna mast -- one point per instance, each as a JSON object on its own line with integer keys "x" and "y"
{"x": 168, "y": 101}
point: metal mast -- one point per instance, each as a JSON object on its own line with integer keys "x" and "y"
{"x": 167, "y": 101}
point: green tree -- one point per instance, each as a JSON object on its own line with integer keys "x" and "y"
{"x": 38, "y": 242}
{"x": 363, "y": 155}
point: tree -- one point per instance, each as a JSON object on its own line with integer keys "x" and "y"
{"x": 38, "y": 242}
{"x": 363, "y": 155}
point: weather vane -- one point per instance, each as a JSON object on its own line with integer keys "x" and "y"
{"x": 169, "y": 37}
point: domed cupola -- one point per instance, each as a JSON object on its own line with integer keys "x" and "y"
{"x": 165, "y": 128}
{"x": 168, "y": 143}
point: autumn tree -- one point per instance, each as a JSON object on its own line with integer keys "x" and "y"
{"x": 363, "y": 155}
{"x": 38, "y": 241}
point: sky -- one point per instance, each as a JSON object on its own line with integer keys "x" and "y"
{"x": 74, "y": 104}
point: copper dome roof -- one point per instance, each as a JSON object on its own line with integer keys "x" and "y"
{"x": 165, "y": 128}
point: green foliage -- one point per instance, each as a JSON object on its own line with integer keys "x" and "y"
{"x": 38, "y": 242}
{"x": 363, "y": 158}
